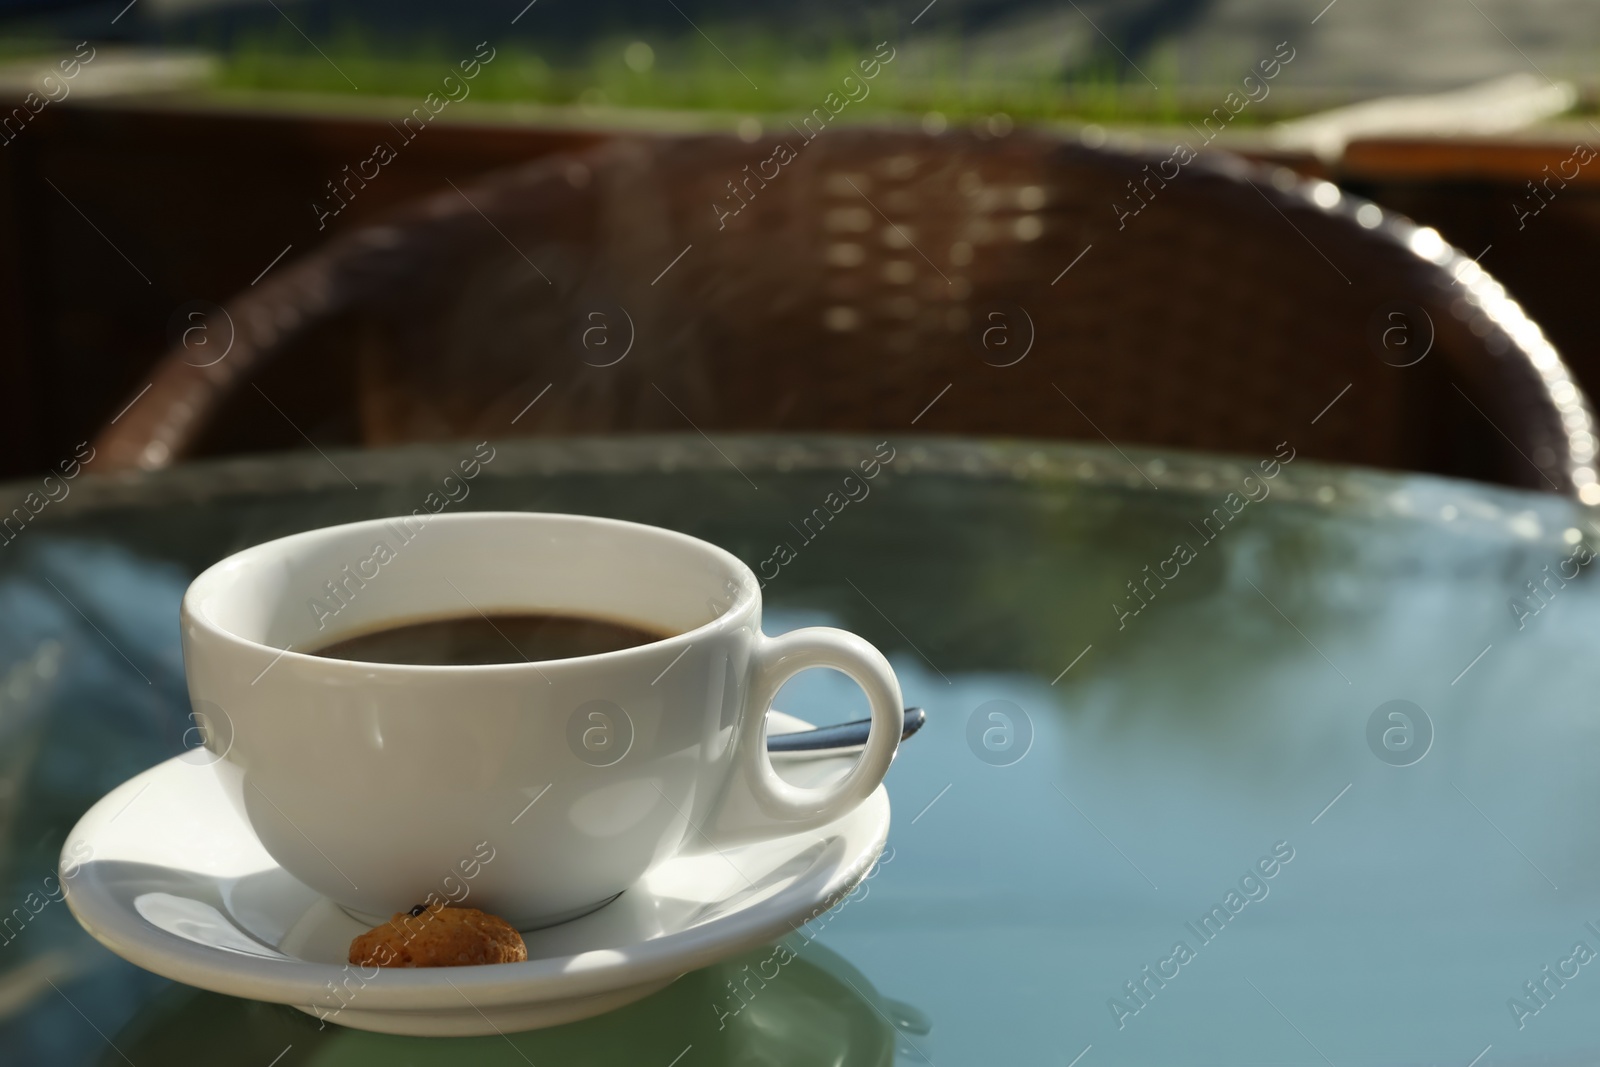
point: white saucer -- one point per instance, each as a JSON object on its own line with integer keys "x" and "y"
{"x": 177, "y": 883}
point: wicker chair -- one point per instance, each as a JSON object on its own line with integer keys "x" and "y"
{"x": 883, "y": 280}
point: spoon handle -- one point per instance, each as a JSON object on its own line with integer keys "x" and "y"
{"x": 846, "y": 735}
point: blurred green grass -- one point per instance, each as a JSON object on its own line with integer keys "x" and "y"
{"x": 688, "y": 73}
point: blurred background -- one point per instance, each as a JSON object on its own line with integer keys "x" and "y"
{"x": 1163, "y": 229}
{"x": 198, "y": 146}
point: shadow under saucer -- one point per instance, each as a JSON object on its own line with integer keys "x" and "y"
{"x": 794, "y": 1003}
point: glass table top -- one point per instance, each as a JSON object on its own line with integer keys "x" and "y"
{"x": 1227, "y": 760}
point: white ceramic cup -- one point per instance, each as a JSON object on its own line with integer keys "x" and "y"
{"x": 536, "y": 791}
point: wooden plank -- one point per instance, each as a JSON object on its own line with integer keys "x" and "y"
{"x": 1503, "y": 159}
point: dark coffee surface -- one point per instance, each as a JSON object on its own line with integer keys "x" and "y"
{"x": 479, "y": 639}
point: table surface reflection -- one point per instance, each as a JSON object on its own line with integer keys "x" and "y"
{"x": 1228, "y": 760}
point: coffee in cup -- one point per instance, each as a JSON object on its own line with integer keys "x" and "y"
{"x": 605, "y": 711}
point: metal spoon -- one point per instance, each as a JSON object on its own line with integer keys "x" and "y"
{"x": 829, "y": 740}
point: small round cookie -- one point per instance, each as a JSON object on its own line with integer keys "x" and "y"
{"x": 439, "y": 936}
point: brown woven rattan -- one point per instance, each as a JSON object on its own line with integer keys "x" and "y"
{"x": 887, "y": 281}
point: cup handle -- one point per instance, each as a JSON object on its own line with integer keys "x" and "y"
{"x": 774, "y": 662}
